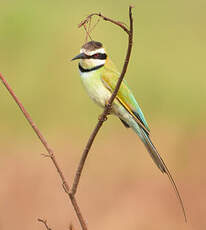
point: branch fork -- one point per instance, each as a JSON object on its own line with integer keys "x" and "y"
{"x": 71, "y": 191}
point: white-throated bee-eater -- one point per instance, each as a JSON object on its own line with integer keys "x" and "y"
{"x": 99, "y": 76}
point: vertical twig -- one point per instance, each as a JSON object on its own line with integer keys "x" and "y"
{"x": 109, "y": 105}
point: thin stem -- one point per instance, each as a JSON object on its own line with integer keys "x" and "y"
{"x": 44, "y": 222}
{"x": 106, "y": 19}
{"x": 103, "y": 117}
{"x": 49, "y": 150}
{"x": 107, "y": 109}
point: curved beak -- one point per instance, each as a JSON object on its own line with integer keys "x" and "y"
{"x": 79, "y": 56}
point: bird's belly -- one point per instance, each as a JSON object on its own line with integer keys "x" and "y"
{"x": 96, "y": 89}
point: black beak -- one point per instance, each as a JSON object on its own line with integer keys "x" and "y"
{"x": 79, "y": 56}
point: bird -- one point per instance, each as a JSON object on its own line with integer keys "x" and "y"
{"x": 99, "y": 76}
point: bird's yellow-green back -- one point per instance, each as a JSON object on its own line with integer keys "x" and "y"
{"x": 110, "y": 76}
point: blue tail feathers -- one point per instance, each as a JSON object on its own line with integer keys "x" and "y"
{"x": 158, "y": 161}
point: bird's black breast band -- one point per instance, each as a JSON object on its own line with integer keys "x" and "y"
{"x": 88, "y": 70}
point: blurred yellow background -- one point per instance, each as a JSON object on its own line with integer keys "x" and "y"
{"x": 120, "y": 187}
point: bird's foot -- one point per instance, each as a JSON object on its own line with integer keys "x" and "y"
{"x": 109, "y": 108}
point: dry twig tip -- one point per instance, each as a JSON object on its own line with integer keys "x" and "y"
{"x": 45, "y": 223}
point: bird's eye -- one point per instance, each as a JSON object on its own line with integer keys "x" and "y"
{"x": 96, "y": 55}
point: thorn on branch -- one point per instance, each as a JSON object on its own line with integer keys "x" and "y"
{"x": 46, "y": 155}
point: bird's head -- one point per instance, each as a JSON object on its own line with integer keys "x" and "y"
{"x": 92, "y": 54}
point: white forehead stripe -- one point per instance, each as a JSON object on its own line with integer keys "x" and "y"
{"x": 90, "y": 53}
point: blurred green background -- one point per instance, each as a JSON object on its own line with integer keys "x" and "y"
{"x": 166, "y": 73}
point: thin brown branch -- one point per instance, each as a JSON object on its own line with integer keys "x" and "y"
{"x": 102, "y": 118}
{"x": 86, "y": 20}
{"x": 49, "y": 150}
{"x": 107, "y": 109}
{"x": 95, "y": 24}
{"x": 45, "y": 223}
{"x": 87, "y": 33}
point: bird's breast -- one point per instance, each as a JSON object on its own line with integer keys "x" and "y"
{"x": 95, "y": 88}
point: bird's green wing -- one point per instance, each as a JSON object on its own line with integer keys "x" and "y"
{"x": 124, "y": 96}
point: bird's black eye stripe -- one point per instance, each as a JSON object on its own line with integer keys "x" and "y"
{"x": 99, "y": 56}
